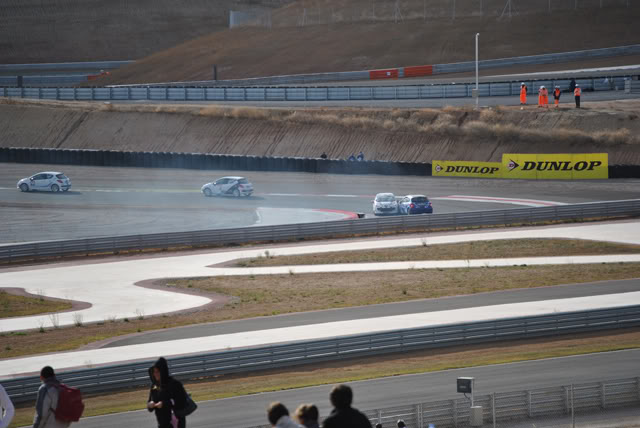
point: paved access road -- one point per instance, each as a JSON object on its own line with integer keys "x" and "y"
{"x": 384, "y": 310}
{"x": 123, "y": 201}
{"x": 397, "y": 391}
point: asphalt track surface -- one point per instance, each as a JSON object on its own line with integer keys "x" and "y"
{"x": 126, "y": 201}
{"x": 398, "y": 390}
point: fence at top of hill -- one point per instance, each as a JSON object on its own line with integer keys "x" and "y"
{"x": 399, "y": 11}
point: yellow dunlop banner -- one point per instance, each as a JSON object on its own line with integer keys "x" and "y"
{"x": 466, "y": 169}
{"x": 556, "y": 166}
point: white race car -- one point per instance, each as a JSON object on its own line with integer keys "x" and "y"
{"x": 48, "y": 181}
{"x": 228, "y": 186}
{"x": 385, "y": 204}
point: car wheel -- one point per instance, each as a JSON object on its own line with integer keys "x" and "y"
{"x": 236, "y": 193}
{"x": 207, "y": 192}
{"x": 55, "y": 188}
{"x": 24, "y": 187}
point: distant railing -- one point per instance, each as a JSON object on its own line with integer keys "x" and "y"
{"x": 280, "y": 94}
{"x": 89, "y": 246}
{"x": 103, "y": 379}
{"x": 597, "y": 403}
{"x": 427, "y": 70}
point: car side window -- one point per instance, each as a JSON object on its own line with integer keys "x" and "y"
{"x": 49, "y": 176}
{"x": 38, "y": 177}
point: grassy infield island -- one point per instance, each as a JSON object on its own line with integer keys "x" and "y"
{"x": 277, "y": 294}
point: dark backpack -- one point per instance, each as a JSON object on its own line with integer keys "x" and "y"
{"x": 70, "y": 405}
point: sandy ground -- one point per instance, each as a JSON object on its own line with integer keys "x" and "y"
{"x": 392, "y": 135}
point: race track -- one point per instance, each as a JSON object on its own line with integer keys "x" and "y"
{"x": 125, "y": 201}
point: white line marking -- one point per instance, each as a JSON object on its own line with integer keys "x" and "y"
{"x": 496, "y": 200}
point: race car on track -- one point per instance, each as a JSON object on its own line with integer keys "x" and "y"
{"x": 47, "y": 181}
{"x": 228, "y": 186}
{"x": 415, "y": 204}
{"x": 385, "y": 203}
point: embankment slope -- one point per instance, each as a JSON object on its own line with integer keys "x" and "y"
{"x": 420, "y": 135}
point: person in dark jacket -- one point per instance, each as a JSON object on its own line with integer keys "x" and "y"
{"x": 165, "y": 395}
{"x": 343, "y": 415}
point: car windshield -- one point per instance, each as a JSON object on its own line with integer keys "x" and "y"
{"x": 243, "y": 181}
{"x": 419, "y": 199}
{"x": 385, "y": 198}
{"x": 61, "y": 176}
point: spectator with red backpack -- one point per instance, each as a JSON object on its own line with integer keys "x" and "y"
{"x": 57, "y": 404}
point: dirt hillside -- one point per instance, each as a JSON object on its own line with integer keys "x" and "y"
{"x": 395, "y": 135}
{"x": 98, "y": 30}
{"x": 251, "y": 52}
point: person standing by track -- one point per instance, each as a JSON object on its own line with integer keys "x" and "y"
{"x": 523, "y": 95}
{"x": 576, "y": 93}
{"x": 556, "y": 96}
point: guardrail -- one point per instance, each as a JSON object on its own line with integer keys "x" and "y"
{"x": 280, "y": 94}
{"x": 632, "y": 86}
{"x": 416, "y": 71}
{"x": 562, "y": 405}
{"x": 64, "y": 66}
{"x": 102, "y": 379}
{"x": 217, "y": 237}
{"x": 208, "y": 161}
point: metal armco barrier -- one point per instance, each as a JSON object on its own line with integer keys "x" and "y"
{"x": 88, "y": 246}
{"x": 102, "y": 379}
{"x": 65, "y": 66}
{"x": 632, "y": 86}
{"x": 550, "y": 406}
{"x": 207, "y": 161}
{"x": 157, "y": 92}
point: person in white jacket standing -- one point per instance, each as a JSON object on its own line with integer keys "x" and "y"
{"x": 6, "y": 408}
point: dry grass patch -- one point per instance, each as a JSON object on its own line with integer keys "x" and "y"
{"x": 459, "y": 251}
{"x": 464, "y": 123}
{"x": 263, "y": 295}
{"x": 12, "y": 305}
{"x": 366, "y": 368}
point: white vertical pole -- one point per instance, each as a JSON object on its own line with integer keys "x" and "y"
{"x": 477, "y": 101}
{"x": 573, "y": 414}
{"x": 493, "y": 408}
{"x": 473, "y": 381}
